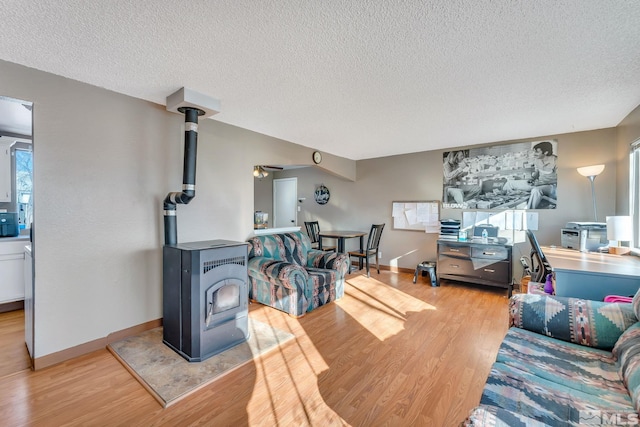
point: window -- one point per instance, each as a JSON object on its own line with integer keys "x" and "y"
{"x": 23, "y": 158}
{"x": 634, "y": 188}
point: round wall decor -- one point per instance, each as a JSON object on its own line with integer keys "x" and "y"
{"x": 322, "y": 195}
{"x": 317, "y": 157}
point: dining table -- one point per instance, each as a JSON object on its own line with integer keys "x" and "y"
{"x": 341, "y": 236}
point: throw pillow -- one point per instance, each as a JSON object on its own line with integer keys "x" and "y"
{"x": 591, "y": 323}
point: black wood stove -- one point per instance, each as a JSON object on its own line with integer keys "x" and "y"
{"x": 205, "y": 297}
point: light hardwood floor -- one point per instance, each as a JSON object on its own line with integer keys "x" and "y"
{"x": 389, "y": 353}
{"x": 14, "y": 356}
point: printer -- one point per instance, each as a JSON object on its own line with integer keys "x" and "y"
{"x": 584, "y": 236}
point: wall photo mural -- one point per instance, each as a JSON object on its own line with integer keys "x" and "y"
{"x": 513, "y": 176}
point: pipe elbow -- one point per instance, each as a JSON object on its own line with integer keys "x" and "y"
{"x": 175, "y": 198}
{"x": 169, "y": 202}
{"x": 186, "y": 196}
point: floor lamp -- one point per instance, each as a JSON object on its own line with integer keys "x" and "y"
{"x": 591, "y": 172}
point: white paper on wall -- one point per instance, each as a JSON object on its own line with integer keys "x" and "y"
{"x": 411, "y": 216}
{"x": 498, "y": 220}
{"x": 531, "y": 221}
{"x": 468, "y": 219}
{"x": 423, "y": 212}
{"x": 417, "y": 216}
{"x": 482, "y": 218}
{"x": 517, "y": 220}
{"x": 400, "y": 221}
{"x": 508, "y": 220}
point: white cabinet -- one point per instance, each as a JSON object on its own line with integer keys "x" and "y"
{"x": 12, "y": 270}
{"x": 5, "y": 171}
{"x": 28, "y": 299}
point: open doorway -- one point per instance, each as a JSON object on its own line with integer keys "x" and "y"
{"x": 275, "y": 197}
{"x": 16, "y": 219}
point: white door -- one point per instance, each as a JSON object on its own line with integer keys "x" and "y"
{"x": 285, "y": 196}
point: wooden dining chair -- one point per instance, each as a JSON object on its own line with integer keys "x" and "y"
{"x": 313, "y": 231}
{"x": 372, "y": 249}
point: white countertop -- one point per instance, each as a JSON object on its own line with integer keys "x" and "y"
{"x": 22, "y": 237}
{"x": 262, "y": 231}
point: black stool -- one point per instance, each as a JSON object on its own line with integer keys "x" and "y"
{"x": 431, "y": 268}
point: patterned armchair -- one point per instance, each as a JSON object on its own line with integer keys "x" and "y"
{"x": 287, "y": 274}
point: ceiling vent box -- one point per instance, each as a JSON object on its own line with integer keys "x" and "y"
{"x": 187, "y": 98}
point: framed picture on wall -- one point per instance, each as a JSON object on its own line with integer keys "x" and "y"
{"x": 322, "y": 195}
{"x": 512, "y": 176}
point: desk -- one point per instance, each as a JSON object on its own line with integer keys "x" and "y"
{"x": 341, "y": 236}
{"x": 476, "y": 262}
{"x": 593, "y": 275}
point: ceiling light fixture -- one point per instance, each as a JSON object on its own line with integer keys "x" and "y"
{"x": 259, "y": 172}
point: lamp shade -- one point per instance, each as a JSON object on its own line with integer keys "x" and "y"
{"x": 591, "y": 170}
{"x": 619, "y": 228}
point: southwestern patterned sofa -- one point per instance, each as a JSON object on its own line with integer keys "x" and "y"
{"x": 564, "y": 362}
{"x": 287, "y": 274}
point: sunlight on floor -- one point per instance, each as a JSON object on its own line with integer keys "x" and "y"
{"x": 385, "y": 320}
{"x": 309, "y": 407}
{"x": 378, "y": 307}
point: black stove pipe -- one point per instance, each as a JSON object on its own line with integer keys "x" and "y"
{"x": 188, "y": 175}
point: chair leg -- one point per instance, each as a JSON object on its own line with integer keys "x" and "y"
{"x": 377, "y": 263}
{"x": 367, "y": 262}
{"x": 351, "y": 267}
{"x": 434, "y": 278}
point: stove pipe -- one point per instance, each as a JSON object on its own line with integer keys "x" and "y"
{"x": 192, "y": 105}
{"x": 188, "y": 175}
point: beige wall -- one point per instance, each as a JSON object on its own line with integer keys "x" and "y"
{"x": 418, "y": 176}
{"x": 628, "y": 132}
{"x": 103, "y": 163}
{"x": 263, "y": 195}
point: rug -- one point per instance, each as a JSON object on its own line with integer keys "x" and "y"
{"x": 169, "y": 377}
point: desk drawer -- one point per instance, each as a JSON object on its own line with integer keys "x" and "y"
{"x": 496, "y": 272}
{"x": 452, "y": 250}
{"x": 490, "y": 252}
{"x": 457, "y": 266}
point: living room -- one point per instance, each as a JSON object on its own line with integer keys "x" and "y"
{"x": 104, "y": 161}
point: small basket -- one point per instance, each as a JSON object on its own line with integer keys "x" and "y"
{"x": 524, "y": 284}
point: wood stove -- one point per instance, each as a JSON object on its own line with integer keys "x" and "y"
{"x": 205, "y": 297}
{"x": 205, "y": 291}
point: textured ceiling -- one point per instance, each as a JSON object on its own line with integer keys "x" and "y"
{"x": 356, "y": 78}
